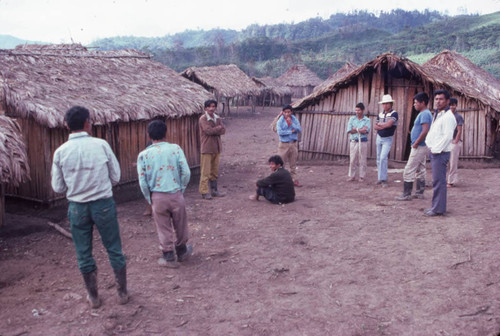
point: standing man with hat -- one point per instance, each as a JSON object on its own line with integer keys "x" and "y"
{"x": 385, "y": 125}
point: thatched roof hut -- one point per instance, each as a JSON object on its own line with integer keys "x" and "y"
{"x": 324, "y": 114}
{"x": 14, "y": 167}
{"x": 273, "y": 92}
{"x": 300, "y": 79}
{"x": 122, "y": 89}
{"x": 225, "y": 81}
{"x": 338, "y": 75}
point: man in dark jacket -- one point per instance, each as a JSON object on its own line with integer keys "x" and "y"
{"x": 277, "y": 188}
{"x": 211, "y": 129}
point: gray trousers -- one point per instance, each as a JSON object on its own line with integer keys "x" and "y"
{"x": 439, "y": 163}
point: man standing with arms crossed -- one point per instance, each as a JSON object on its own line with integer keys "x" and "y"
{"x": 211, "y": 128}
{"x": 456, "y": 144}
{"x": 415, "y": 167}
{"x": 385, "y": 124}
{"x": 86, "y": 169}
{"x": 358, "y": 128}
{"x": 163, "y": 176}
{"x": 439, "y": 141}
{"x": 288, "y": 128}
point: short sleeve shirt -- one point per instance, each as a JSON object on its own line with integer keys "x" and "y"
{"x": 424, "y": 117}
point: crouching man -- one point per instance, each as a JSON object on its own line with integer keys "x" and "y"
{"x": 86, "y": 169}
{"x": 163, "y": 177}
{"x": 277, "y": 188}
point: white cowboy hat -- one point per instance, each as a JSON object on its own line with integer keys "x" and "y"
{"x": 386, "y": 99}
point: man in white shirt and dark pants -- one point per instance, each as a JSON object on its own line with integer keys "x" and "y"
{"x": 439, "y": 141}
{"x": 85, "y": 168}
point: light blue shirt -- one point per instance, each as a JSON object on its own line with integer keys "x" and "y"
{"x": 285, "y": 132}
{"x": 162, "y": 167}
{"x": 424, "y": 117}
{"x": 354, "y": 122}
{"x": 85, "y": 168}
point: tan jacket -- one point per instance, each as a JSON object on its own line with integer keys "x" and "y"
{"x": 210, "y": 133}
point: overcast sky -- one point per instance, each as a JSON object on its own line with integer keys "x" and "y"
{"x": 64, "y": 21}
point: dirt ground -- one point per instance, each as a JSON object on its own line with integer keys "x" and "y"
{"x": 344, "y": 259}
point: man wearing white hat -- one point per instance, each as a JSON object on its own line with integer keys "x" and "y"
{"x": 385, "y": 125}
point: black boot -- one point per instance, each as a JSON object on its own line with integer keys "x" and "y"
{"x": 420, "y": 188}
{"x": 91, "y": 285}
{"x": 215, "y": 192}
{"x": 407, "y": 188}
{"x": 183, "y": 252}
{"x": 121, "y": 283}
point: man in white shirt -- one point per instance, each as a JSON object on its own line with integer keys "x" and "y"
{"x": 439, "y": 141}
{"x": 85, "y": 168}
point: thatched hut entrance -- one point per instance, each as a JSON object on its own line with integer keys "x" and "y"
{"x": 324, "y": 114}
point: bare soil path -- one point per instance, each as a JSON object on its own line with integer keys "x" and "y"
{"x": 344, "y": 259}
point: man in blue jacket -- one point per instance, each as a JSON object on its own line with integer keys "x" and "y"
{"x": 288, "y": 129}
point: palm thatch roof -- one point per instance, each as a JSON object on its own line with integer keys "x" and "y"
{"x": 464, "y": 76}
{"x": 225, "y": 80}
{"x": 299, "y": 75}
{"x": 395, "y": 64}
{"x": 13, "y": 160}
{"x": 341, "y": 73}
{"x": 272, "y": 85}
{"x": 43, "y": 81}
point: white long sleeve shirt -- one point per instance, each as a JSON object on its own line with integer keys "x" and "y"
{"x": 85, "y": 168}
{"x": 440, "y": 135}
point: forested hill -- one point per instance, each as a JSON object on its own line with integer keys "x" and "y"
{"x": 325, "y": 45}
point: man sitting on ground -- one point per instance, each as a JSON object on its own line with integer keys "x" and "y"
{"x": 277, "y": 188}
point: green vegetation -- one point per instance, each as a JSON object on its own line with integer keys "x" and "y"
{"x": 325, "y": 45}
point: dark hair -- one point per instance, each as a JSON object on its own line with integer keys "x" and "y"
{"x": 157, "y": 130}
{"x": 210, "y": 101}
{"x": 440, "y": 92}
{"x": 422, "y": 97}
{"x": 75, "y": 117}
{"x": 287, "y": 107}
{"x": 276, "y": 159}
{"x": 453, "y": 101}
{"x": 361, "y": 106}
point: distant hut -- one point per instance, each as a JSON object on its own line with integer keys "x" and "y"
{"x": 273, "y": 92}
{"x": 325, "y": 113}
{"x": 300, "y": 80}
{"x": 14, "y": 168}
{"x": 123, "y": 90}
{"x": 338, "y": 75}
{"x": 226, "y": 82}
{"x": 478, "y": 94}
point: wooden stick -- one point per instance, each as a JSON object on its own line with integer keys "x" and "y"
{"x": 60, "y": 229}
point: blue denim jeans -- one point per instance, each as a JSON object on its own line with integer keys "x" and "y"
{"x": 82, "y": 217}
{"x": 383, "y": 149}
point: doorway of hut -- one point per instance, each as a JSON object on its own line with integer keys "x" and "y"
{"x": 407, "y": 151}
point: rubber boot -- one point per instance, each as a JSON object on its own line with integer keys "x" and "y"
{"x": 183, "y": 252}
{"x": 121, "y": 283}
{"x": 91, "y": 285}
{"x": 215, "y": 192}
{"x": 420, "y": 188}
{"x": 407, "y": 188}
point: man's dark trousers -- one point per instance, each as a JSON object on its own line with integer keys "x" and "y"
{"x": 438, "y": 164}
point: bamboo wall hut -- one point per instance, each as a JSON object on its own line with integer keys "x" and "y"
{"x": 478, "y": 95}
{"x": 273, "y": 93}
{"x": 300, "y": 79}
{"x": 226, "y": 82}
{"x": 14, "y": 168}
{"x": 123, "y": 90}
{"x": 324, "y": 114}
